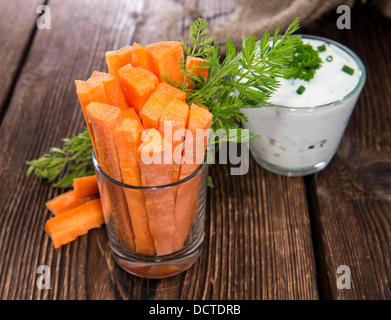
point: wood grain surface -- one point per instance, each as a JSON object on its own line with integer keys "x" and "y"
{"x": 266, "y": 236}
{"x": 17, "y": 30}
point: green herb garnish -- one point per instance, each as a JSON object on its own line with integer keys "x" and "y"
{"x": 348, "y": 70}
{"x": 75, "y": 156}
{"x": 300, "y": 90}
{"x": 322, "y": 48}
{"x": 304, "y": 64}
{"x": 329, "y": 58}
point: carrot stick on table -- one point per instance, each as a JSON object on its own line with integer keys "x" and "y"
{"x": 156, "y": 169}
{"x": 104, "y": 118}
{"x": 86, "y": 186}
{"x": 127, "y": 139}
{"x": 195, "y": 144}
{"x": 172, "y": 126}
{"x": 66, "y": 227}
{"x": 65, "y": 202}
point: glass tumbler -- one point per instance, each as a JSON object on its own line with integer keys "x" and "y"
{"x": 155, "y": 232}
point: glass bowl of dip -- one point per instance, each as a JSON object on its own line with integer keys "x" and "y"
{"x": 300, "y": 133}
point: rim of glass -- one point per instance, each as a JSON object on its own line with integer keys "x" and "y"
{"x": 357, "y": 88}
{"x": 166, "y": 186}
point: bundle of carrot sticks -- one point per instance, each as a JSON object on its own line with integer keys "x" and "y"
{"x": 144, "y": 134}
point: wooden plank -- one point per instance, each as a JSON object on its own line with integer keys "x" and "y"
{"x": 258, "y": 241}
{"x": 17, "y": 28}
{"x": 351, "y": 203}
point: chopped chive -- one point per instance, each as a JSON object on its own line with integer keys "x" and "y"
{"x": 300, "y": 90}
{"x": 322, "y": 48}
{"x": 329, "y": 58}
{"x": 347, "y": 69}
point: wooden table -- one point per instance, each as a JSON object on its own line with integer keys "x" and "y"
{"x": 267, "y": 236}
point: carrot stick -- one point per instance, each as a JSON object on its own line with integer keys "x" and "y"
{"x": 172, "y": 126}
{"x": 196, "y": 139}
{"x": 125, "y": 56}
{"x": 113, "y": 65}
{"x": 65, "y": 202}
{"x": 131, "y": 113}
{"x": 186, "y": 205}
{"x": 104, "y": 118}
{"x": 109, "y": 85}
{"x": 156, "y": 104}
{"x": 148, "y": 75}
{"x": 88, "y": 92}
{"x": 138, "y": 84}
{"x": 156, "y": 169}
{"x": 170, "y": 91}
{"x": 163, "y": 58}
{"x": 127, "y": 139}
{"x": 66, "y": 227}
{"x": 194, "y": 66}
{"x": 86, "y": 186}
{"x": 193, "y": 154}
{"x": 140, "y": 56}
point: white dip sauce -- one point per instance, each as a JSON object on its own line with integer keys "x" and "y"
{"x": 298, "y": 137}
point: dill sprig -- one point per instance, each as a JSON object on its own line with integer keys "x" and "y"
{"x": 75, "y": 156}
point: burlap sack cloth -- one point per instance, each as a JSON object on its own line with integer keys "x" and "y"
{"x": 170, "y": 19}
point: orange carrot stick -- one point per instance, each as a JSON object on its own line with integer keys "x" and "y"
{"x": 137, "y": 85}
{"x": 66, "y": 227}
{"x": 156, "y": 104}
{"x": 86, "y": 186}
{"x": 65, "y": 202}
{"x": 131, "y": 113}
{"x": 127, "y": 139}
{"x": 156, "y": 169}
{"x": 172, "y": 126}
{"x": 170, "y": 91}
{"x": 163, "y": 58}
{"x": 194, "y": 66}
{"x": 149, "y": 76}
{"x": 109, "y": 85}
{"x": 88, "y": 92}
{"x": 193, "y": 154}
{"x": 196, "y": 139}
{"x": 113, "y": 65}
{"x": 104, "y": 118}
{"x": 140, "y": 56}
{"x": 125, "y": 56}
